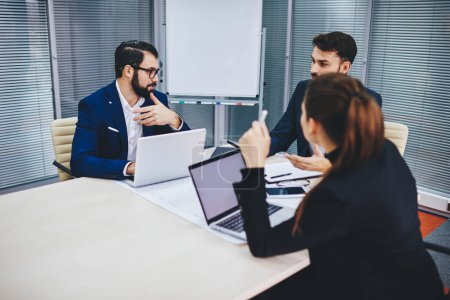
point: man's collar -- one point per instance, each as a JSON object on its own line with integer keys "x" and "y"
{"x": 123, "y": 101}
{"x": 333, "y": 155}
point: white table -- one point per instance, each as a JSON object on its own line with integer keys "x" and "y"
{"x": 93, "y": 239}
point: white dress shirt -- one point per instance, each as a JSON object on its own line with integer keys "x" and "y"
{"x": 134, "y": 129}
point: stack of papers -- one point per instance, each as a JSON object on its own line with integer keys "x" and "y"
{"x": 285, "y": 175}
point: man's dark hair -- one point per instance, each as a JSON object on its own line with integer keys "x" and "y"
{"x": 342, "y": 43}
{"x": 131, "y": 53}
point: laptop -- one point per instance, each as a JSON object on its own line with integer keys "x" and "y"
{"x": 221, "y": 150}
{"x": 167, "y": 156}
{"x": 213, "y": 180}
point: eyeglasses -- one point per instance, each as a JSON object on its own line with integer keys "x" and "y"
{"x": 151, "y": 72}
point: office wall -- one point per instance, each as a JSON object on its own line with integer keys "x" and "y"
{"x": 86, "y": 36}
{"x": 322, "y": 16}
{"x": 26, "y": 102}
{"x": 275, "y": 20}
{"x": 409, "y": 65}
{"x": 308, "y": 19}
{"x": 408, "y": 62}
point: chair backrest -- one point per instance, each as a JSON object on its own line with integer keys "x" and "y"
{"x": 63, "y": 131}
{"x": 397, "y": 133}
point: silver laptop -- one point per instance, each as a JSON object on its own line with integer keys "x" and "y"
{"x": 213, "y": 180}
{"x": 167, "y": 156}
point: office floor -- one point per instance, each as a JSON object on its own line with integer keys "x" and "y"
{"x": 428, "y": 223}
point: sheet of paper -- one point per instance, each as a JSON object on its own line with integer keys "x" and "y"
{"x": 284, "y": 171}
{"x": 179, "y": 197}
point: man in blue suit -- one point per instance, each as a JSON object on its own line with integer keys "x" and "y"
{"x": 333, "y": 52}
{"x": 112, "y": 119}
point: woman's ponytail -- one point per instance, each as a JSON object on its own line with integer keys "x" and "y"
{"x": 352, "y": 120}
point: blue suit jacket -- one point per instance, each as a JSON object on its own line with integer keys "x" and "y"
{"x": 288, "y": 129}
{"x": 101, "y": 152}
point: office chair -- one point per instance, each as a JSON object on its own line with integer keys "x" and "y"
{"x": 397, "y": 133}
{"x": 63, "y": 131}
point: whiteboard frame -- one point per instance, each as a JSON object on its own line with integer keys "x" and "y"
{"x": 211, "y": 80}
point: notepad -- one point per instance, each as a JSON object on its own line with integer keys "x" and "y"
{"x": 285, "y": 171}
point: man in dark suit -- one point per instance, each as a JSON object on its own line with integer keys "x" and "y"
{"x": 112, "y": 119}
{"x": 333, "y": 52}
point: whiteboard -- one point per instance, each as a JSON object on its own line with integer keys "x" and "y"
{"x": 213, "y": 47}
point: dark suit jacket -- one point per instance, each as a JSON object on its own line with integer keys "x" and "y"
{"x": 361, "y": 229}
{"x": 288, "y": 129}
{"x": 98, "y": 151}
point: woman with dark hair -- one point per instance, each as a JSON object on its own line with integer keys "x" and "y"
{"x": 360, "y": 222}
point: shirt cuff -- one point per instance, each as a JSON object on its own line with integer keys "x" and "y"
{"x": 252, "y": 172}
{"x": 251, "y": 178}
{"x": 181, "y": 126}
{"x": 125, "y": 169}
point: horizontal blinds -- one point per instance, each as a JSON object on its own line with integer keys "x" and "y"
{"x": 87, "y": 34}
{"x": 275, "y": 14}
{"x": 198, "y": 116}
{"x": 322, "y": 16}
{"x": 408, "y": 65}
{"x": 275, "y": 20}
{"x": 314, "y": 17}
{"x": 26, "y": 101}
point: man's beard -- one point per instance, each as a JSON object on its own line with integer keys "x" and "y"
{"x": 139, "y": 90}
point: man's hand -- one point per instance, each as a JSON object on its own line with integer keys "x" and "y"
{"x": 255, "y": 145}
{"x": 317, "y": 162}
{"x": 130, "y": 169}
{"x": 157, "y": 114}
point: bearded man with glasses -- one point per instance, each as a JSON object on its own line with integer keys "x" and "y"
{"x": 112, "y": 119}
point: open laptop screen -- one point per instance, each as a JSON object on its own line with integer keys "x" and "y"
{"x": 213, "y": 180}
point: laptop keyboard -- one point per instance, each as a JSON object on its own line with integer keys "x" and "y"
{"x": 236, "y": 222}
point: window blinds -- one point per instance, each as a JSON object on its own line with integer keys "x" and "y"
{"x": 87, "y": 34}
{"x": 314, "y": 17}
{"x": 409, "y": 62}
{"x": 26, "y": 101}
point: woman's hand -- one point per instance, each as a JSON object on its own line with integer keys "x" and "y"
{"x": 255, "y": 144}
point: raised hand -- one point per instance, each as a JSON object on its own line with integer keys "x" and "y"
{"x": 255, "y": 145}
{"x": 317, "y": 162}
{"x": 157, "y": 114}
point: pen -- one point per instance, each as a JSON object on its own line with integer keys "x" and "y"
{"x": 281, "y": 175}
{"x": 263, "y": 116}
{"x": 233, "y": 144}
{"x": 281, "y": 154}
